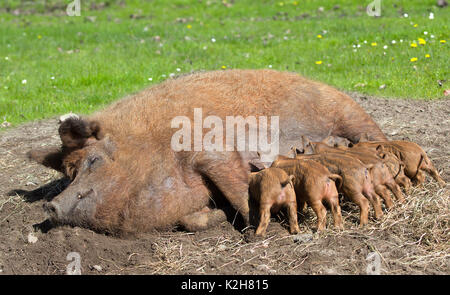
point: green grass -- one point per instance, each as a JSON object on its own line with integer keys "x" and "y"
{"x": 94, "y": 62}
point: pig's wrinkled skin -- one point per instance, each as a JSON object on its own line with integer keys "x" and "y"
{"x": 413, "y": 157}
{"x": 126, "y": 177}
{"x": 382, "y": 179}
{"x": 314, "y": 185}
{"x": 272, "y": 189}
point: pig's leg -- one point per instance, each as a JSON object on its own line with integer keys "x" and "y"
{"x": 292, "y": 213}
{"x": 321, "y": 213}
{"x": 264, "y": 219}
{"x": 226, "y": 171}
{"x": 203, "y": 219}
{"x": 431, "y": 170}
{"x": 374, "y": 199}
{"x": 363, "y": 204}
{"x": 382, "y": 191}
{"x": 395, "y": 189}
{"x": 336, "y": 211}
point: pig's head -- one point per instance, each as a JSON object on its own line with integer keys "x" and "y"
{"x": 89, "y": 162}
{"x": 90, "y": 168}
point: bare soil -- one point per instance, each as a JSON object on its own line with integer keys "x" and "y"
{"x": 411, "y": 239}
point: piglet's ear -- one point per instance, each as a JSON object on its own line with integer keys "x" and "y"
{"x": 75, "y": 132}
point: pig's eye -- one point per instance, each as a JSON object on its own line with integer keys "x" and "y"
{"x": 92, "y": 160}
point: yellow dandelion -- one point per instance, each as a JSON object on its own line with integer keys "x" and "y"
{"x": 319, "y": 36}
{"x": 442, "y": 41}
{"x": 319, "y": 62}
{"x": 422, "y": 41}
{"x": 413, "y": 59}
{"x": 374, "y": 44}
{"x": 415, "y": 25}
{"x": 224, "y": 67}
{"x": 280, "y": 3}
{"x": 189, "y": 26}
{"x": 39, "y": 37}
{"x": 427, "y": 55}
{"x": 413, "y": 45}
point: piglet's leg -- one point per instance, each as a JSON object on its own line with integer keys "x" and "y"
{"x": 292, "y": 213}
{"x": 336, "y": 211}
{"x": 264, "y": 219}
{"x": 321, "y": 213}
{"x": 226, "y": 171}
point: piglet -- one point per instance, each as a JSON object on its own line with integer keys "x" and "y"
{"x": 272, "y": 188}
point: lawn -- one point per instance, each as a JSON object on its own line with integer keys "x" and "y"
{"x": 52, "y": 63}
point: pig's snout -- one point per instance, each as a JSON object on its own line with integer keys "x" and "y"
{"x": 52, "y": 209}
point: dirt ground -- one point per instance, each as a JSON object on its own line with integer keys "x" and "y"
{"x": 411, "y": 239}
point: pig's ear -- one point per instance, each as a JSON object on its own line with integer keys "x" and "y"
{"x": 308, "y": 147}
{"x": 256, "y": 165}
{"x": 291, "y": 178}
{"x": 51, "y": 157}
{"x": 251, "y": 176}
{"x": 75, "y": 132}
{"x": 305, "y": 141}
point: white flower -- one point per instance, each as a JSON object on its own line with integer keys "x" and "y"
{"x": 150, "y": 79}
{"x": 6, "y": 58}
{"x": 213, "y": 40}
{"x": 270, "y": 66}
{"x": 171, "y": 75}
{"x": 24, "y": 81}
{"x": 405, "y": 15}
{"x": 385, "y": 46}
{"x": 425, "y": 33}
{"x": 401, "y": 40}
{"x": 359, "y": 45}
{"x": 354, "y": 46}
{"x": 365, "y": 41}
{"x": 52, "y": 77}
{"x": 431, "y": 16}
{"x": 432, "y": 36}
{"x": 205, "y": 47}
{"x": 393, "y": 41}
{"x": 178, "y": 70}
{"x": 324, "y": 32}
{"x": 285, "y": 37}
{"x": 163, "y": 75}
